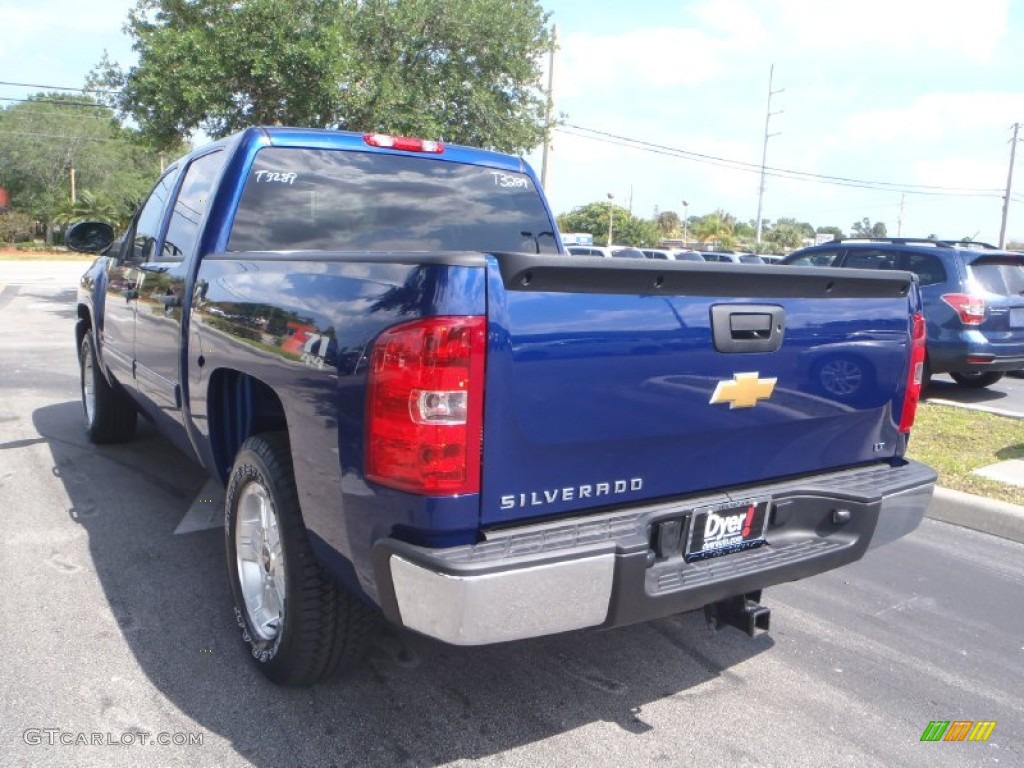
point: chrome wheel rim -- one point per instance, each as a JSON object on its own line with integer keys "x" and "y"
{"x": 260, "y": 561}
{"x": 88, "y": 387}
{"x": 841, "y": 377}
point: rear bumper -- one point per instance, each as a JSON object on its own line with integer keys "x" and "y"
{"x": 601, "y": 571}
{"x": 972, "y": 351}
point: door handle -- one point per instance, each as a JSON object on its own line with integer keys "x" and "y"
{"x": 748, "y": 327}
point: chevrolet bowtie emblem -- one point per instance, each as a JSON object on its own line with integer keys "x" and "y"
{"x": 743, "y": 391}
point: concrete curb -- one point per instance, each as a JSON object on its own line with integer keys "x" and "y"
{"x": 998, "y": 518}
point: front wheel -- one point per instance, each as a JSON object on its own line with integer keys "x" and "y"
{"x": 110, "y": 415}
{"x": 297, "y": 624}
{"x": 977, "y": 379}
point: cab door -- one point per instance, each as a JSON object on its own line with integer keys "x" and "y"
{"x": 161, "y": 289}
{"x": 124, "y": 278}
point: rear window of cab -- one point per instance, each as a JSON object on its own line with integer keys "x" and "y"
{"x": 314, "y": 199}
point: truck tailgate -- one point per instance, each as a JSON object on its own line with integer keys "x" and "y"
{"x": 610, "y": 382}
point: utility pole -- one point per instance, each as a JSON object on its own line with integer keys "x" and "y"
{"x": 1009, "y": 185}
{"x": 899, "y": 221}
{"x": 548, "y": 109}
{"x": 611, "y": 203}
{"x": 686, "y": 215}
{"x": 764, "y": 151}
{"x": 74, "y": 198}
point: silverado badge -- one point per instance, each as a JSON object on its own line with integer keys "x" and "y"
{"x": 743, "y": 390}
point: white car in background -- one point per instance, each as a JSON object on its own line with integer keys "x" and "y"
{"x": 600, "y": 251}
{"x": 672, "y": 254}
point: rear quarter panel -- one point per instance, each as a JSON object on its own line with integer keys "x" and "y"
{"x": 302, "y": 324}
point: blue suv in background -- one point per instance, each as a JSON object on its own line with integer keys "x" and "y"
{"x": 973, "y": 299}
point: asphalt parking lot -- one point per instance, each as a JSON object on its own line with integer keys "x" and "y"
{"x": 121, "y": 631}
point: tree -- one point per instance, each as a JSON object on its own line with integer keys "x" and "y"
{"x": 714, "y": 228}
{"x": 744, "y": 230}
{"x": 467, "y": 71}
{"x": 91, "y": 207}
{"x": 864, "y": 228}
{"x": 835, "y": 231}
{"x": 669, "y": 223}
{"x": 627, "y": 229}
{"x": 786, "y": 235}
{"x": 638, "y": 232}
{"x": 48, "y": 136}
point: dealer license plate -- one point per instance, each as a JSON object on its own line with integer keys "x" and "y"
{"x": 1017, "y": 317}
{"x": 720, "y": 531}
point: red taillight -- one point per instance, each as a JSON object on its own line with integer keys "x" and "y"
{"x": 403, "y": 142}
{"x": 915, "y": 377}
{"x": 425, "y": 406}
{"x": 969, "y": 307}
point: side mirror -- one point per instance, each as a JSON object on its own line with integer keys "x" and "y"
{"x": 89, "y": 236}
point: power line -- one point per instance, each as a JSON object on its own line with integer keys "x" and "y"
{"x": 28, "y": 117}
{"x": 57, "y": 103}
{"x": 76, "y": 137}
{"x": 60, "y": 88}
{"x": 918, "y": 189}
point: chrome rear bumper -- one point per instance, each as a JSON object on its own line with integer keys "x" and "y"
{"x": 601, "y": 571}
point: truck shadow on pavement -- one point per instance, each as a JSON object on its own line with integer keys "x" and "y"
{"x": 414, "y": 701}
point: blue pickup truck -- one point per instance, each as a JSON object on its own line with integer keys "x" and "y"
{"x": 420, "y": 407}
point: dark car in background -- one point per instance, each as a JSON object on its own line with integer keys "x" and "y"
{"x": 732, "y": 257}
{"x": 973, "y": 299}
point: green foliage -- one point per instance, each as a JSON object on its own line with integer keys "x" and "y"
{"x": 715, "y": 229}
{"x": 467, "y": 71}
{"x": 864, "y": 228}
{"x": 744, "y": 230}
{"x": 785, "y": 235}
{"x": 669, "y": 224}
{"x": 626, "y": 230}
{"x": 49, "y": 135}
{"x": 839, "y": 234}
{"x": 638, "y": 232}
{"x": 16, "y": 227}
{"x": 91, "y": 207}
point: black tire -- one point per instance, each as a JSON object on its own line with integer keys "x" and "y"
{"x": 978, "y": 380}
{"x": 113, "y": 415}
{"x": 319, "y": 627}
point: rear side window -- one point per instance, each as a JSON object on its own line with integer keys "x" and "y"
{"x": 1005, "y": 278}
{"x": 312, "y": 199}
{"x": 187, "y": 215}
{"x": 927, "y": 267}
{"x": 870, "y": 258}
{"x": 823, "y": 258}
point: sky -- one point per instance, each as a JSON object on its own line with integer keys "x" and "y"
{"x": 896, "y": 98}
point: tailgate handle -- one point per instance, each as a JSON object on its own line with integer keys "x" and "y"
{"x": 748, "y": 327}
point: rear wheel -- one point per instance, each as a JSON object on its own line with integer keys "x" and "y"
{"x": 977, "y": 379}
{"x": 110, "y": 415}
{"x": 298, "y": 625}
